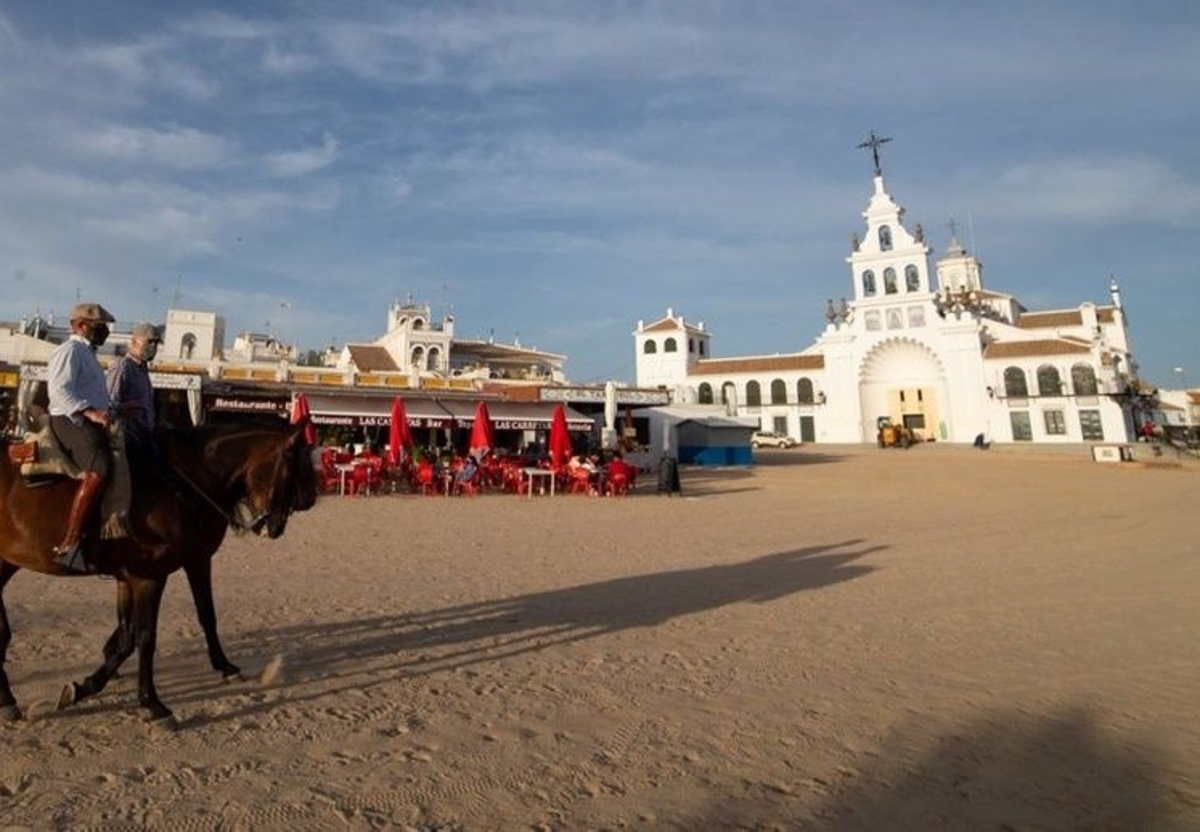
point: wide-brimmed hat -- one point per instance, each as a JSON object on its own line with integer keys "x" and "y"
{"x": 91, "y": 312}
{"x": 148, "y": 331}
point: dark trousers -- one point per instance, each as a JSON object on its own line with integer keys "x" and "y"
{"x": 86, "y": 444}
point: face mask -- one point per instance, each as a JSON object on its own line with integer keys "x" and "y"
{"x": 97, "y": 335}
{"x": 149, "y": 351}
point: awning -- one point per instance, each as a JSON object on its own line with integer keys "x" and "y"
{"x": 374, "y": 411}
{"x": 515, "y": 415}
{"x": 534, "y": 416}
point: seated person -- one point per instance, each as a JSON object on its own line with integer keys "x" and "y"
{"x": 467, "y": 471}
{"x": 620, "y": 468}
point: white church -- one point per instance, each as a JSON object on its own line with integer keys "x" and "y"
{"x": 950, "y": 360}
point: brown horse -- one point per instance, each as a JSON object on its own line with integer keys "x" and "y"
{"x": 251, "y": 477}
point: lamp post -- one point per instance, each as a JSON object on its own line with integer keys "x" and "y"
{"x": 1182, "y": 377}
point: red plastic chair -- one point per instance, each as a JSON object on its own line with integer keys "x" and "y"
{"x": 580, "y": 482}
{"x": 329, "y": 476}
{"x": 617, "y": 484}
{"x": 366, "y": 478}
{"x": 425, "y": 479}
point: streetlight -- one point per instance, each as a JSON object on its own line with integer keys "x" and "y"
{"x": 1182, "y": 377}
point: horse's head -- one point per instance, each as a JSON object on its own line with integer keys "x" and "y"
{"x": 278, "y": 479}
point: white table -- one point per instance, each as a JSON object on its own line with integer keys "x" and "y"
{"x": 533, "y": 473}
{"x": 344, "y": 468}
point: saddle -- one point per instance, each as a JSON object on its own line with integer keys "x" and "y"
{"x": 43, "y": 461}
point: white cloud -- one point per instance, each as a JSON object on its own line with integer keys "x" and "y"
{"x": 299, "y": 162}
{"x": 1109, "y": 190}
{"x": 181, "y": 148}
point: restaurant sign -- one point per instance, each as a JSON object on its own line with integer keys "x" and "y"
{"x": 596, "y": 395}
{"x": 357, "y": 420}
{"x": 228, "y": 404}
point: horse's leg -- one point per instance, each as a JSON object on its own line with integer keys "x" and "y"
{"x": 8, "y": 704}
{"x": 199, "y": 575}
{"x": 116, "y": 650}
{"x": 147, "y": 595}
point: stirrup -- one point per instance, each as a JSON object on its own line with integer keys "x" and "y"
{"x": 71, "y": 559}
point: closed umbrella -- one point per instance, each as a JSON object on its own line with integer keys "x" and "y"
{"x": 399, "y": 436}
{"x": 301, "y": 413}
{"x": 483, "y": 435}
{"x": 560, "y": 438}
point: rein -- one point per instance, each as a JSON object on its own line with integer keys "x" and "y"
{"x": 231, "y": 517}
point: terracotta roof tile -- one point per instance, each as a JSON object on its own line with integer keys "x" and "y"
{"x": 756, "y": 364}
{"x": 662, "y": 326}
{"x": 671, "y": 325}
{"x": 1194, "y": 397}
{"x": 1048, "y": 320}
{"x": 1068, "y": 317}
{"x": 1022, "y": 349}
{"x": 371, "y": 359}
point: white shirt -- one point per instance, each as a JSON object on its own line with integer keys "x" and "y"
{"x": 75, "y": 380}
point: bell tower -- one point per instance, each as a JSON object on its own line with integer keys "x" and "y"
{"x": 889, "y": 263}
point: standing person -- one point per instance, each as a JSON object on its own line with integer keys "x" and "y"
{"x": 129, "y": 385}
{"x": 80, "y": 414}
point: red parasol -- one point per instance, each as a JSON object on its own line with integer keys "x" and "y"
{"x": 399, "y": 436}
{"x": 301, "y": 413}
{"x": 560, "y": 438}
{"x": 483, "y": 435}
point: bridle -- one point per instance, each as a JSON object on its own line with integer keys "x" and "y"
{"x": 232, "y": 517}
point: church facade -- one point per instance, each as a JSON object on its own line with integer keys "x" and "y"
{"x": 922, "y": 343}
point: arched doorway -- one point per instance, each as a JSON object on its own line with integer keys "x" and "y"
{"x": 904, "y": 380}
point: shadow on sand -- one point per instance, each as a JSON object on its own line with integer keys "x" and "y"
{"x": 364, "y": 652}
{"x": 1007, "y": 770}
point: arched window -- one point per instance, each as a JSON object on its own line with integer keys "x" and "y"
{"x": 912, "y": 279}
{"x": 669, "y": 345}
{"x": 701, "y": 344}
{"x": 868, "y": 283}
{"x": 418, "y": 358}
{"x": 728, "y": 393}
{"x": 706, "y": 394}
{"x": 778, "y": 392}
{"x": 650, "y": 347}
{"x": 1015, "y": 386}
{"x": 691, "y": 345}
{"x": 187, "y": 347}
{"x": 885, "y": 238}
{"x": 1083, "y": 379}
{"x": 435, "y": 359}
{"x": 804, "y": 391}
{"x": 418, "y": 323}
{"x": 753, "y": 394}
{"x": 889, "y": 280}
{"x": 1049, "y": 381}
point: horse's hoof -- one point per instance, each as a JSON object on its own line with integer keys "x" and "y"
{"x": 158, "y": 712}
{"x": 10, "y": 713}
{"x": 69, "y": 696}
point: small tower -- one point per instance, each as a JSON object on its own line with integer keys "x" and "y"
{"x": 959, "y": 271}
{"x": 666, "y": 350}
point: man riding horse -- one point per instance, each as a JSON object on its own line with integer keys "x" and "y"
{"x": 81, "y": 412}
{"x": 129, "y": 385}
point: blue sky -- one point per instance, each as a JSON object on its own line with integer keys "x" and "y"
{"x": 558, "y": 170}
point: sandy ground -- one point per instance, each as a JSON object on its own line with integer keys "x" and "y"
{"x": 838, "y": 638}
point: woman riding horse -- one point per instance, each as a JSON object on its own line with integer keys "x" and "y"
{"x": 248, "y": 477}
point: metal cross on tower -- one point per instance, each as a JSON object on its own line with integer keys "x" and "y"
{"x": 874, "y": 142}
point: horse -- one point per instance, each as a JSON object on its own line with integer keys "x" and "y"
{"x": 209, "y": 479}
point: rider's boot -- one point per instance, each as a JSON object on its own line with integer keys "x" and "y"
{"x": 69, "y": 551}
